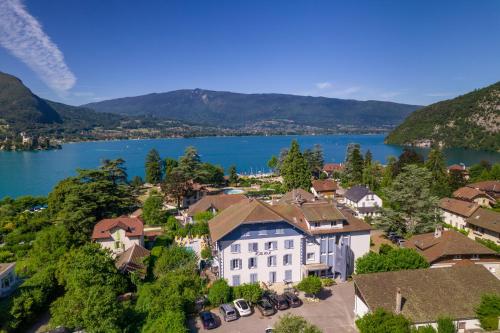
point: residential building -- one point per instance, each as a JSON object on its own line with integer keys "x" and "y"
{"x": 259, "y": 242}
{"x": 454, "y": 211}
{"x": 492, "y": 187}
{"x": 484, "y": 224}
{"x": 459, "y": 168}
{"x": 297, "y": 196}
{"x": 119, "y": 234}
{"x": 364, "y": 202}
{"x": 213, "y": 204}
{"x": 449, "y": 248}
{"x": 330, "y": 168}
{"x": 132, "y": 260}
{"x": 471, "y": 194}
{"x": 324, "y": 188}
{"x": 424, "y": 295}
{"x": 8, "y": 278}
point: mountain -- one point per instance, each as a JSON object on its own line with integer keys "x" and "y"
{"x": 469, "y": 121}
{"x": 235, "y": 110}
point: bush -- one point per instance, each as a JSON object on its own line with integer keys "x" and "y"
{"x": 327, "y": 282}
{"x": 462, "y": 231}
{"x": 489, "y": 244}
{"x": 219, "y": 293}
{"x": 394, "y": 260}
{"x": 291, "y": 324}
{"x": 251, "y": 292}
{"x": 385, "y": 249}
{"x": 446, "y": 325}
{"x": 488, "y": 312}
{"x": 310, "y": 285}
{"x": 382, "y": 321}
{"x": 206, "y": 253}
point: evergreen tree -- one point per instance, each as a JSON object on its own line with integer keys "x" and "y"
{"x": 439, "y": 176}
{"x": 353, "y": 171}
{"x": 315, "y": 159}
{"x": 410, "y": 206}
{"x": 190, "y": 162}
{"x": 273, "y": 164}
{"x": 456, "y": 180}
{"x": 170, "y": 164}
{"x": 407, "y": 157}
{"x": 152, "y": 210}
{"x": 387, "y": 174}
{"x": 372, "y": 174}
{"x": 154, "y": 167}
{"x": 177, "y": 186}
{"x": 295, "y": 170}
{"x": 233, "y": 175}
{"x": 368, "y": 158}
{"x": 116, "y": 170}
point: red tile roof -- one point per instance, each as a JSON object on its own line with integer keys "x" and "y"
{"x": 458, "y": 207}
{"x": 219, "y": 202}
{"x": 470, "y": 193}
{"x": 327, "y": 185}
{"x": 132, "y": 225}
{"x": 330, "y": 167}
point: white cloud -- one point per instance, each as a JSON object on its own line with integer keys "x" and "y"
{"x": 324, "y": 85}
{"x": 347, "y": 91}
{"x": 23, "y": 36}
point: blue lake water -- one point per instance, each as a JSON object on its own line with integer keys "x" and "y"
{"x": 35, "y": 173}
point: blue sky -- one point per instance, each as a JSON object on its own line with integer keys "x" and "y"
{"x": 414, "y": 52}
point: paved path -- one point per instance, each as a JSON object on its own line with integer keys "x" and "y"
{"x": 333, "y": 314}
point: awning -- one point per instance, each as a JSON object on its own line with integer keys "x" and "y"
{"x": 315, "y": 267}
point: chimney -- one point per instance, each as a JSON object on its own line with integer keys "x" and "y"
{"x": 398, "y": 301}
{"x": 438, "y": 231}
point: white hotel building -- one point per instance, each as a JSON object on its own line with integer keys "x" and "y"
{"x": 258, "y": 242}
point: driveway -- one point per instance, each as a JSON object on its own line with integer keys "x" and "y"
{"x": 334, "y": 313}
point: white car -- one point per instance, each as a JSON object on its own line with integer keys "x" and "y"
{"x": 242, "y": 306}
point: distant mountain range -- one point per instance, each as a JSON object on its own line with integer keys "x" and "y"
{"x": 469, "y": 121}
{"x": 235, "y": 110}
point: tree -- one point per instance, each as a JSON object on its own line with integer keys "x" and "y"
{"x": 310, "y": 285}
{"x": 233, "y": 175}
{"x": 177, "y": 186}
{"x": 368, "y": 157}
{"x": 446, "y": 325}
{"x": 439, "y": 177}
{"x": 372, "y": 174}
{"x": 315, "y": 159}
{"x": 154, "y": 166}
{"x": 456, "y": 180}
{"x": 251, "y": 292}
{"x": 210, "y": 174}
{"x": 206, "y": 253}
{"x": 173, "y": 258}
{"x": 116, "y": 170}
{"x": 407, "y": 157}
{"x": 294, "y": 324}
{"x": 169, "y": 322}
{"x": 152, "y": 210}
{"x": 190, "y": 162}
{"x": 353, "y": 170}
{"x": 390, "y": 260}
{"x": 387, "y": 174}
{"x": 219, "y": 293}
{"x": 488, "y": 311}
{"x": 382, "y": 321}
{"x": 410, "y": 206}
{"x": 136, "y": 182}
{"x": 295, "y": 170}
{"x": 495, "y": 172}
{"x": 273, "y": 164}
{"x": 170, "y": 164}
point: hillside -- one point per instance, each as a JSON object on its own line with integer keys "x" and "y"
{"x": 469, "y": 121}
{"x": 235, "y": 110}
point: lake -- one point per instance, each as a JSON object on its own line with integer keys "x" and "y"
{"x": 35, "y": 173}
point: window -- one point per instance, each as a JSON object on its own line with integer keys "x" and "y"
{"x": 475, "y": 257}
{"x": 457, "y": 257}
{"x": 287, "y": 259}
{"x": 331, "y": 245}
{"x": 333, "y": 223}
{"x": 271, "y": 261}
{"x": 322, "y": 246}
{"x": 262, "y": 231}
{"x": 252, "y": 262}
{"x": 288, "y": 275}
{"x": 235, "y": 264}
{"x": 316, "y": 224}
{"x": 272, "y": 277}
{"x": 310, "y": 256}
{"x": 254, "y": 278}
{"x": 236, "y": 280}
{"x": 280, "y": 231}
{"x": 289, "y": 244}
{"x": 253, "y": 247}
{"x": 117, "y": 244}
{"x": 271, "y": 245}
{"x": 235, "y": 248}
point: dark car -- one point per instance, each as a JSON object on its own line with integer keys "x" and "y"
{"x": 265, "y": 307}
{"x": 279, "y": 301}
{"x": 292, "y": 299}
{"x": 208, "y": 320}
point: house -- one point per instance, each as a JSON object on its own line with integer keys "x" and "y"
{"x": 492, "y": 187}
{"x": 448, "y": 248}
{"x": 424, "y": 295}
{"x": 331, "y": 168}
{"x": 484, "y": 224}
{"x": 324, "y": 188}
{"x": 459, "y": 168}
{"x": 259, "y": 242}
{"x": 471, "y": 194}
{"x": 119, "y": 234}
{"x": 213, "y": 204}
{"x": 297, "y": 195}
{"x": 455, "y": 211}
{"x": 363, "y": 201}
{"x": 132, "y": 260}
{"x": 8, "y": 278}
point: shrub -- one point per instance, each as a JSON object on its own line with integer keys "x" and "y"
{"x": 219, "y": 293}
{"x": 385, "y": 248}
{"x": 310, "y": 285}
{"x": 489, "y": 244}
{"x": 488, "y": 312}
{"x": 446, "y": 325}
{"x": 290, "y": 323}
{"x": 394, "y": 260}
{"x": 327, "y": 282}
{"x": 382, "y": 321}
{"x": 251, "y": 292}
{"x": 206, "y": 253}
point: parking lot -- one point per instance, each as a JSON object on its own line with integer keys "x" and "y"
{"x": 333, "y": 313}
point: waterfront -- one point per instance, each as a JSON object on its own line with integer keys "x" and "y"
{"x": 35, "y": 173}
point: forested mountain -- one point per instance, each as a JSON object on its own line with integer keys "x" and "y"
{"x": 219, "y": 108}
{"x": 470, "y": 121}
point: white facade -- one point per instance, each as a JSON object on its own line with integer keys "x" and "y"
{"x": 119, "y": 242}
{"x": 369, "y": 200}
{"x": 8, "y": 278}
{"x": 455, "y": 220}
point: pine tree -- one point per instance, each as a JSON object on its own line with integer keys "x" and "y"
{"x": 295, "y": 170}
{"x": 439, "y": 176}
{"x": 353, "y": 171}
{"x": 233, "y": 175}
{"x": 190, "y": 162}
{"x": 153, "y": 167}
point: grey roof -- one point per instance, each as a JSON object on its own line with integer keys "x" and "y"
{"x": 357, "y": 192}
{"x": 365, "y": 210}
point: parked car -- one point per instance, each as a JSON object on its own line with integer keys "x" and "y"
{"x": 269, "y": 330}
{"x": 292, "y": 299}
{"x": 228, "y": 312}
{"x": 279, "y": 301}
{"x": 208, "y": 320}
{"x": 243, "y": 308}
{"x": 265, "y": 307}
